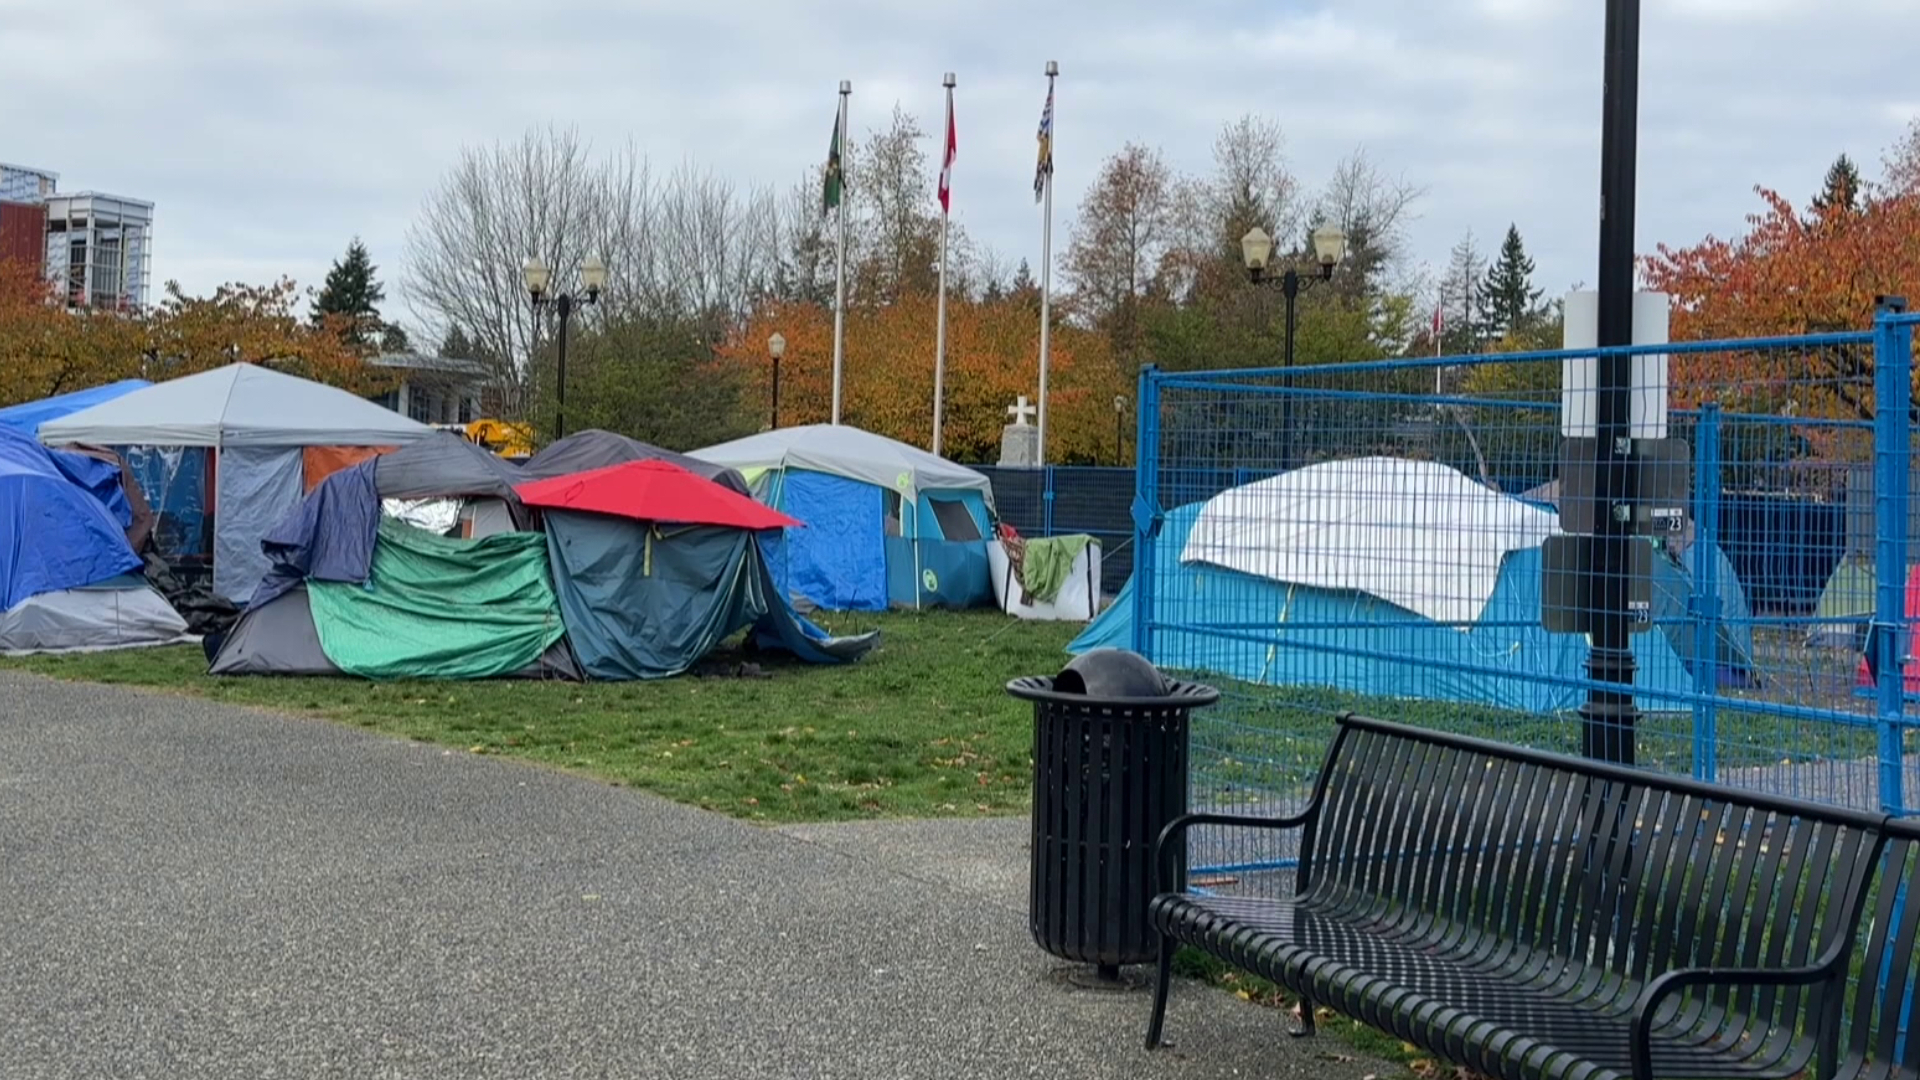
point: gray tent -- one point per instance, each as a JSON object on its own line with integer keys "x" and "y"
{"x": 261, "y": 424}
{"x": 594, "y": 449}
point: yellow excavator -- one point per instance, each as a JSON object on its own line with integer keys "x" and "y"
{"x": 503, "y": 437}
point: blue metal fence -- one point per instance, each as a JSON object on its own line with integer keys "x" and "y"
{"x": 1387, "y": 552}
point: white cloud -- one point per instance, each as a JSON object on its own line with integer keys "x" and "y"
{"x": 269, "y": 134}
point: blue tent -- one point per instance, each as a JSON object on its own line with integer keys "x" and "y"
{"x": 1354, "y": 641}
{"x": 886, "y": 524}
{"x": 28, "y": 416}
{"x": 58, "y": 536}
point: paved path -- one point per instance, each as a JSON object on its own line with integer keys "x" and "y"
{"x": 193, "y": 890}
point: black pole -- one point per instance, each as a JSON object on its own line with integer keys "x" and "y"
{"x": 1290, "y": 288}
{"x": 560, "y": 395}
{"x": 776, "y": 393}
{"x": 1609, "y": 716}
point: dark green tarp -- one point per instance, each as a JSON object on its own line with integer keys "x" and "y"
{"x": 435, "y": 607}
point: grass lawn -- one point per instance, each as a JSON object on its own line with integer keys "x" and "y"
{"x": 920, "y": 727}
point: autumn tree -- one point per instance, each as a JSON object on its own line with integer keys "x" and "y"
{"x": 1127, "y": 227}
{"x": 1903, "y": 164}
{"x": 1788, "y": 275}
{"x": 992, "y": 358}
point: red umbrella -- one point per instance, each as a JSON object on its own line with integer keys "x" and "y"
{"x": 652, "y": 491}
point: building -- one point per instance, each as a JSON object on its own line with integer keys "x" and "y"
{"x": 96, "y": 248}
{"x": 21, "y": 183}
{"x": 434, "y": 389}
{"x": 100, "y": 249}
{"x": 23, "y": 235}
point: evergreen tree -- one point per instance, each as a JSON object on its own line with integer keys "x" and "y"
{"x": 1841, "y": 193}
{"x": 458, "y": 346}
{"x": 351, "y": 290}
{"x": 1024, "y": 288}
{"x": 1507, "y": 302}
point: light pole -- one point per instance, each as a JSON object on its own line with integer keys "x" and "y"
{"x": 776, "y": 348}
{"x": 1119, "y": 414}
{"x": 1329, "y": 247}
{"x": 593, "y": 278}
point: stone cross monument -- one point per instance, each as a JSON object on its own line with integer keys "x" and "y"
{"x": 1020, "y": 441}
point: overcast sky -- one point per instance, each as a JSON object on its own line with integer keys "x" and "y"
{"x": 269, "y": 132}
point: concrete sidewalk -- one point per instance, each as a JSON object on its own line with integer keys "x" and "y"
{"x": 191, "y": 890}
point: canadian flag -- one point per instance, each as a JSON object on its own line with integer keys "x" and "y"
{"x": 946, "y": 162}
{"x": 1439, "y": 321}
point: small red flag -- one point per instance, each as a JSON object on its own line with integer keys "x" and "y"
{"x": 946, "y": 163}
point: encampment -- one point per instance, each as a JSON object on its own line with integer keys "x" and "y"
{"x": 1394, "y": 579}
{"x": 428, "y": 563}
{"x": 69, "y": 580}
{"x": 887, "y": 524}
{"x": 246, "y": 440}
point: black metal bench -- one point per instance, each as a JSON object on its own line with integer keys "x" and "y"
{"x": 1530, "y": 915}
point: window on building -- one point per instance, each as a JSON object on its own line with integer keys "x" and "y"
{"x": 420, "y": 406}
{"x": 468, "y": 413}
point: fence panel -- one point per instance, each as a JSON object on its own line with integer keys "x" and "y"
{"x": 1345, "y": 537}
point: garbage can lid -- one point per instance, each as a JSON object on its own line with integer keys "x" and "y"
{"x": 1111, "y": 673}
{"x": 1116, "y": 677}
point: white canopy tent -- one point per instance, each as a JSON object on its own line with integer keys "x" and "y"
{"x": 259, "y": 423}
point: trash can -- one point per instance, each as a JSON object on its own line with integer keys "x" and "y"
{"x": 1109, "y": 773}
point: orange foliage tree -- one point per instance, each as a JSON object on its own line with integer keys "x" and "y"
{"x": 993, "y": 357}
{"x": 46, "y": 349}
{"x": 1789, "y": 275}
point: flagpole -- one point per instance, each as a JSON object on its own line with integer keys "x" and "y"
{"x": 840, "y": 259}
{"x": 1046, "y": 273}
{"x": 940, "y": 315}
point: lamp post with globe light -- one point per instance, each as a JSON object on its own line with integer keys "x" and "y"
{"x": 539, "y": 279}
{"x": 1256, "y": 248}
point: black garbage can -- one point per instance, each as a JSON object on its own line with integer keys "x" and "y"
{"x": 1109, "y": 772}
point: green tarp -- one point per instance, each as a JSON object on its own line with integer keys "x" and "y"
{"x": 440, "y": 608}
{"x": 1048, "y": 562}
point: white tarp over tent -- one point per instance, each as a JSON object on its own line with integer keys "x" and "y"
{"x": 258, "y": 421}
{"x": 1414, "y": 533}
{"x": 839, "y": 450}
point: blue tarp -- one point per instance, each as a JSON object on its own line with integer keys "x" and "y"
{"x": 1356, "y": 642}
{"x": 329, "y": 537}
{"x": 53, "y": 534}
{"x": 28, "y": 416}
{"x": 99, "y": 479}
{"x": 839, "y": 560}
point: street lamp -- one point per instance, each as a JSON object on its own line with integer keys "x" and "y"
{"x": 539, "y": 278}
{"x": 776, "y": 348}
{"x": 1119, "y": 413}
{"x": 1256, "y": 248}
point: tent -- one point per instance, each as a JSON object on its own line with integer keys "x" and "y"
{"x": 387, "y": 570}
{"x": 1391, "y": 579}
{"x": 887, "y": 524}
{"x": 594, "y": 449}
{"x": 655, "y": 566}
{"x": 247, "y": 440}
{"x": 69, "y": 581}
{"x": 28, "y": 416}
{"x": 356, "y": 589}
{"x": 1846, "y": 606}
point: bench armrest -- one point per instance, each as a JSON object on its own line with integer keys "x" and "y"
{"x": 1830, "y": 967}
{"x": 1164, "y": 844}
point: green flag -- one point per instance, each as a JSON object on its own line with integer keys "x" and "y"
{"x": 835, "y": 179}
